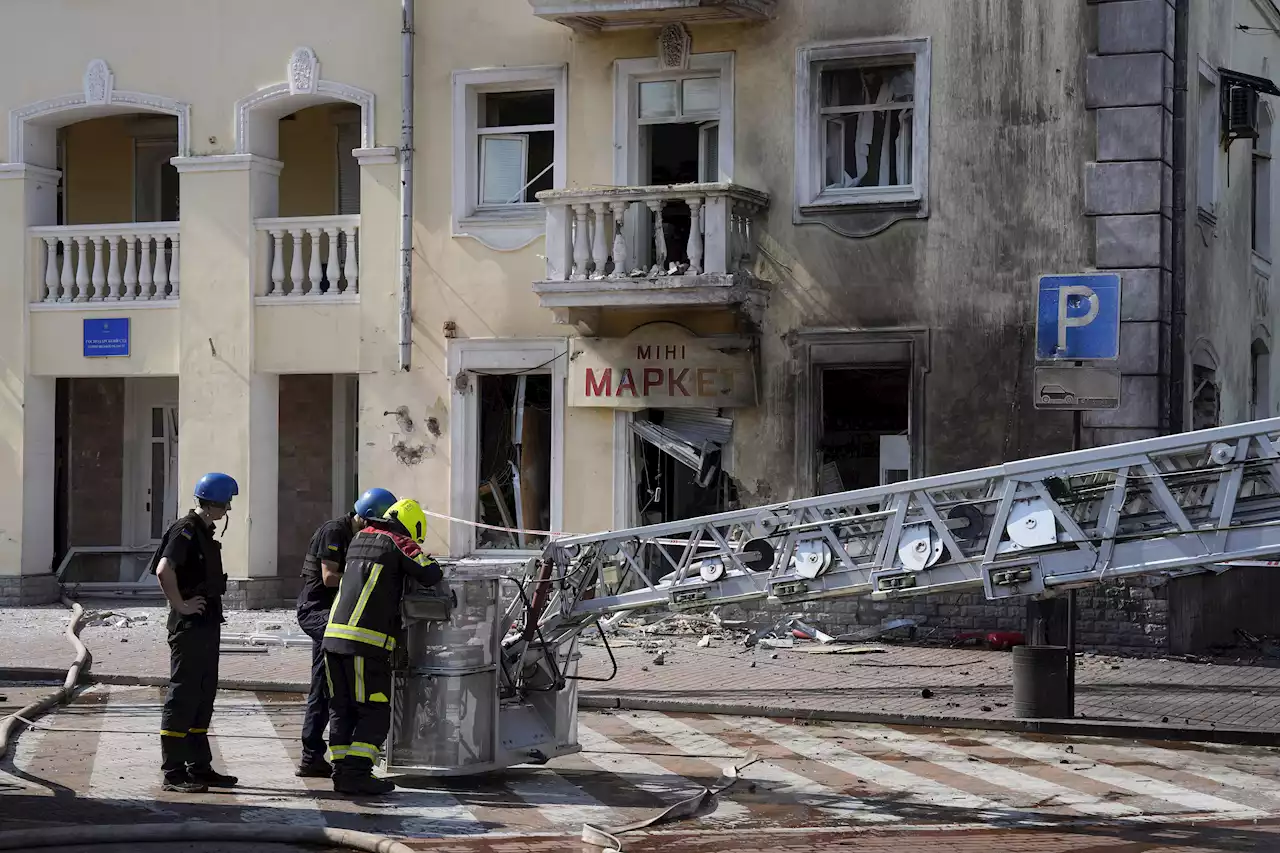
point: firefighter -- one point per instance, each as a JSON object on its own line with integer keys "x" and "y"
{"x": 361, "y": 635}
{"x": 321, "y": 573}
{"x": 190, "y": 573}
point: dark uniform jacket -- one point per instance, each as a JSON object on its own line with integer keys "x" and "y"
{"x": 330, "y": 542}
{"x": 197, "y": 561}
{"x": 365, "y": 618}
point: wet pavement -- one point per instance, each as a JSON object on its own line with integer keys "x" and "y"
{"x": 95, "y": 762}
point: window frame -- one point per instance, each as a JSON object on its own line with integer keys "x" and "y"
{"x": 499, "y": 355}
{"x": 1209, "y": 139}
{"x": 811, "y": 194}
{"x": 1261, "y": 158}
{"x": 514, "y": 226}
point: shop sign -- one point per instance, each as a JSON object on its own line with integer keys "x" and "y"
{"x": 663, "y": 366}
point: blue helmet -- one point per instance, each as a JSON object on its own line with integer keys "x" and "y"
{"x": 217, "y": 489}
{"x": 375, "y": 503}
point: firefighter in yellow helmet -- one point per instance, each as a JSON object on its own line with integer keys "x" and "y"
{"x": 360, "y": 636}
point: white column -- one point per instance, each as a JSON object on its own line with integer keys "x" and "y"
{"x": 295, "y": 269}
{"x": 99, "y": 277}
{"x": 659, "y": 235}
{"x": 162, "y": 268}
{"x": 695, "y": 234}
{"x": 144, "y": 270}
{"x": 82, "y": 269}
{"x": 599, "y": 243}
{"x": 277, "y": 264}
{"x": 581, "y": 251}
{"x": 331, "y": 258}
{"x": 68, "y": 280}
{"x": 619, "y": 239}
{"x": 51, "y": 283}
{"x": 113, "y": 270}
{"x": 175, "y": 266}
{"x": 314, "y": 274}
{"x": 351, "y": 269}
{"x": 130, "y": 268}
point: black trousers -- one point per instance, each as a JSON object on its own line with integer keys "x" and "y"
{"x": 193, "y": 685}
{"x": 360, "y": 688}
{"x": 317, "y": 715}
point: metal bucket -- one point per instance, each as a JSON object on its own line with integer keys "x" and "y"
{"x": 1040, "y": 689}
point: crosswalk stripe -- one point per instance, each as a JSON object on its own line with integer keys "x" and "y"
{"x": 968, "y": 765}
{"x": 560, "y": 802}
{"x": 694, "y": 741}
{"x": 267, "y": 791}
{"x": 642, "y": 773}
{"x": 1181, "y": 761}
{"x": 918, "y": 788}
{"x": 1118, "y": 777}
{"x": 127, "y": 765}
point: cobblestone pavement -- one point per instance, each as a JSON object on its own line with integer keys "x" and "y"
{"x": 96, "y": 762}
{"x": 929, "y": 682}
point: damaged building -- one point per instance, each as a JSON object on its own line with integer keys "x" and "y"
{"x": 669, "y": 259}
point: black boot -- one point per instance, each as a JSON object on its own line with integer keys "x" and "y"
{"x": 314, "y": 768}
{"x": 182, "y": 783}
{"x": 360, "y": 783}
{"x": 207, "y": 776}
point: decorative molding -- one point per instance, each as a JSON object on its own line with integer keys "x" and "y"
{"x": 304, "y": 81}
{"x": 14, "y": 171}
{"x": 228, "y": 163}
{"x": 502, "y": 236}
{"x": 384, "y": 156}
{"x": 98, "y": 83}
{"x": 285, "y": 301}
{"x": 304, "y": 72}
{"x": 674, "y": 46}
{"x": 99, "y": 91}
{"x": 110, "y": 307}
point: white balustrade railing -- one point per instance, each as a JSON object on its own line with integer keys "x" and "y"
{"x": 311, "y": 256}
{"x": 637, "y": 232}
{"x": 129, "y": 262}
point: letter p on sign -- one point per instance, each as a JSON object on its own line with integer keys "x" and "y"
{"x": 1078, "y": 317}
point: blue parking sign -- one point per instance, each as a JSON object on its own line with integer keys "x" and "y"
{"x": 1078, "y": 317}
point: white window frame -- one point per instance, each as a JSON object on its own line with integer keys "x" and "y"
{"x": 1209, "y": 136}
{"x": 511, "y": 227}
{"x": 501, "y": 355}
{"x": 628, "y": 74}
{"x": 810, "y": 195}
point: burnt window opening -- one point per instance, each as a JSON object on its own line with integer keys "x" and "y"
{"x": 1259, "y": 381}
{"x": 863, "y": 427}
{"x": 514, "y": 485}
{"x": 1204, "y": 397}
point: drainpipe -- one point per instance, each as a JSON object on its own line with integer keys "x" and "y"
{"x": 406, "y": 183}
{"x": 1175, "y": 403}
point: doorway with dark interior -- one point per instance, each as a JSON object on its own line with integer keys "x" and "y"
{"x": 863, "y": 426}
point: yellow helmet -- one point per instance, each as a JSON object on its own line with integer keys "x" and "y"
{"x": 409, "y": 513}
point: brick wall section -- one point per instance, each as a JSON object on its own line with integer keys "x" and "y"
{"x": 306, "y": 471}
{"x": 28, "y": 590}
{"x": 96, "y": 473}
{"x": 1123, "y": 617}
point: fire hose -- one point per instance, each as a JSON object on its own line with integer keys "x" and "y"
{"x": 191, "y": 831}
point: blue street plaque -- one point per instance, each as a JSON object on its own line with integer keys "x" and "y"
{"x": 106, "y": 338}
{"x": 1078, "y": 317}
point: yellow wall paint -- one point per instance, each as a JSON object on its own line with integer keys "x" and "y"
{"x": 56, "y": 338}
{"x": 99, "y": 179}
{"x": 308, "y": 149}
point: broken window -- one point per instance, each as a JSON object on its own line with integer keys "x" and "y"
{"x": 863, "y": 422}
{"x": 866, "y": 126}
{"x": 516, "y": 132}
{"x": 1204, "y": 397}
{"x": 514, "y": 487}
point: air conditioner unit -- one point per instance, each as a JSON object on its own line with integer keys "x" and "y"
{"x": 1241, "y": 108}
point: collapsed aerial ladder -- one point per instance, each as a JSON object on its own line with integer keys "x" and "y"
{"x": 1169, "y": 506}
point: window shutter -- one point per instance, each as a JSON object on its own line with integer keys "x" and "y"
{"x": 348, "y": 169}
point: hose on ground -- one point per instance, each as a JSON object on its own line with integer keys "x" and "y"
{"x": 11, "y": 725}
{"x": 198, "y": 831}
{"x": 31, "y": 839}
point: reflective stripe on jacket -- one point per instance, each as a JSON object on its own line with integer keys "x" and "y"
{"x": 365, "y": 617}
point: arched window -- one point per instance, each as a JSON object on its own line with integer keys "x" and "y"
{"x": 1205, "y": 406}
{"x": 1259, "y": 380}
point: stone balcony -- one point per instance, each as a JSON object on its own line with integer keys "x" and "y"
{"x": 678, "y": 246}
{"x": 592, "y": 16}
